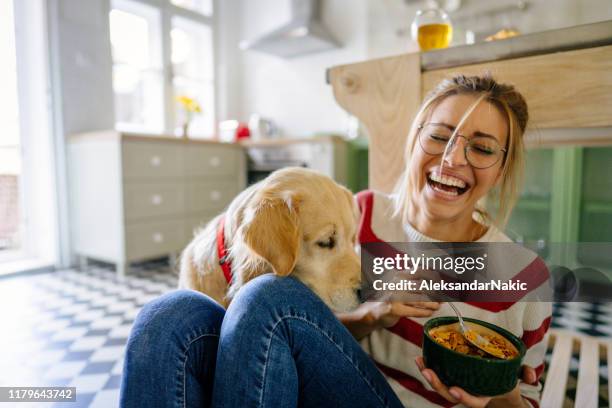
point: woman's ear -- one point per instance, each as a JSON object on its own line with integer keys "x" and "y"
{"x": 271, "y": 231}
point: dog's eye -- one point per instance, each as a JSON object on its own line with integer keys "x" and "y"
{"x": 330, "y": 243}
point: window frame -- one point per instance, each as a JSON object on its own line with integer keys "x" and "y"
{"x": 167, "y": 11}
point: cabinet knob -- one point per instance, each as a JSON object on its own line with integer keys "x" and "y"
{"x": 155, "y": 161}
{"x": 215, "y": 195}
{"x": 158, "y": 237}
{"x": 156, "y": 199}
{"x": 215, "y": 161}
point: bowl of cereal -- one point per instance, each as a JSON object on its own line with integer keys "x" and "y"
{"x": 457, "y": 362}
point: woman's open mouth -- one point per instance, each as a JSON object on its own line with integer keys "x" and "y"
{"x": 447, "y": 185}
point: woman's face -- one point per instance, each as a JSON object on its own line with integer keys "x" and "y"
{"x": 436, "y": 193}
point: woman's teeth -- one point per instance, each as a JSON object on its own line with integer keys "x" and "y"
{"x": 447, "y": 180}
{"x": 447, "y": 185}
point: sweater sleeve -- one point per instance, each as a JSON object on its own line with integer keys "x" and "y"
{"x": 536, "y": 321}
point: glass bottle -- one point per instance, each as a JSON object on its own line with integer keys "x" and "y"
{"x": 431, "y": 29}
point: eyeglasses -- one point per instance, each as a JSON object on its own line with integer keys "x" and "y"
{"x": 480, "y": 151}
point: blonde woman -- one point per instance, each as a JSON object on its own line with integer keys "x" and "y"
{"x": 466, "y": 141}
{"x": 278, "y": 345}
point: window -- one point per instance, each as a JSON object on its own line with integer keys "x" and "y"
{"x": 193, "y": 72}
{"x": 10, "y": 155}
{"x": 137, "y": 74}
{"x": 28, "y": 200}
{"x": 155, "y": 62}
{"x": 203, "y": 6}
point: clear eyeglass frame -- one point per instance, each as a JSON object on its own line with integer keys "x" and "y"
{"x": 470, "y": 148}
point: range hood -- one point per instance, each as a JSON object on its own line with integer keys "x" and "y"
{"x": 303, "y": 34}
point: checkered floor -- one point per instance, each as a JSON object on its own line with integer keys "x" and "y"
{"x": 69, "y": 328}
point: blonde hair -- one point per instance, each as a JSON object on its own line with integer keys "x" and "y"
{"x": 511, "y": 104}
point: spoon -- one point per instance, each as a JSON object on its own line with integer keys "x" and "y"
{"x": 476, "y": 339}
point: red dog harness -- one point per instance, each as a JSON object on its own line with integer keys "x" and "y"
{"x": 224, "y": 262}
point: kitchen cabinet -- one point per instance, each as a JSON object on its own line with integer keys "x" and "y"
{"x": 566, "y": 197}
{"x": 134, "y": 198}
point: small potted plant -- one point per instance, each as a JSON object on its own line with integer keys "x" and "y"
{"x": 190, "y": 107}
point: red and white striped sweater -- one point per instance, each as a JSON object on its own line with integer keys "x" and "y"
{"x": 394, "y": 349}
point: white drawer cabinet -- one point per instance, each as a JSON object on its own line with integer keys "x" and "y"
{"x": 205, "y": 196}
{"x": 210, "y": 160}
{"x": 134, "y": 198}
{"x": 144, "y": 200}
{"x": 151, "y": 160}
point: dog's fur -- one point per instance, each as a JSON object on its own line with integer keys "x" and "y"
{"x": 297, "y": 222}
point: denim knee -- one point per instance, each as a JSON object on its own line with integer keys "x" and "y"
{"x": 271, "y": 296}
{"x": 176, "y": 317}
{"x": 172, "y": 350}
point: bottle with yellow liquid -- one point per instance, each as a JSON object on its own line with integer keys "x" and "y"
{"x": 432, "y": 29}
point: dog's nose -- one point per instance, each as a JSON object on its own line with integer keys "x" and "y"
{"x": 358, "y": 293}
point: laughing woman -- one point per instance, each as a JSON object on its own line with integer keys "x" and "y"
{"x": 278, "y": 345}
{"x": 465, "y": 142}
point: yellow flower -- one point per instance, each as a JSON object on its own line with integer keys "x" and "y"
{"x": 190, "y": 105}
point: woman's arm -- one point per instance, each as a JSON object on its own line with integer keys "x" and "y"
{"x": 370, "y": 316}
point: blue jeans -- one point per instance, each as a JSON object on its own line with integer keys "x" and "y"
{"x": 278, "y": 345}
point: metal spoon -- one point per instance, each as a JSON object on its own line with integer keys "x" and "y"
{"x": 476, "y": 339}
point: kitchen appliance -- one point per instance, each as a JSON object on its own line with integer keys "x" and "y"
{"x": 261, "y": 128}
{"x": 303, "y": 34}
{"x": 326, "y": 154}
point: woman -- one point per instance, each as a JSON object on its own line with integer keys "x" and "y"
{"x": 280, "y": 346}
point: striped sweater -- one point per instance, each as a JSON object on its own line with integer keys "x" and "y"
{"x": 395, "y": 348}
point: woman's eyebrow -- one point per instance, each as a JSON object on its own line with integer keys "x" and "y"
{"x": 452, "y": 128}
{"x": 482, "y": 134}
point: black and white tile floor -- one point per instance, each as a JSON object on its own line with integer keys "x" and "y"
{"x": 69, "y": 328}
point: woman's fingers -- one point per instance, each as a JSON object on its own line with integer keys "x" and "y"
{"x": 529, "y": 375}
{"x": 410, "y": 311}
{"x": 424, "y": 305}
{"x": 468, "y": 399}
{"x": 434, "y": 381}
{"x": 452, "y": 394}
{"x": 437, "y": 385}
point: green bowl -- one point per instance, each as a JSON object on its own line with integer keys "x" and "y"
{"x": 476, "y": 375}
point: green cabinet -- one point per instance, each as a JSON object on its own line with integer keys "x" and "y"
{"x": 566, "y": 198}
{"x": 596, "y": 204}
{"x": 357, "y": 175}
{"x": 530, "y": 221}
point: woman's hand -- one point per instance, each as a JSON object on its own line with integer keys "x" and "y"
{"x": 370, "y": 316}
{"x": 457, "y": 395}
{"x": 386, "y": 314}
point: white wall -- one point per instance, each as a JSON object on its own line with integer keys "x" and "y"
{"x": 82, "y": 91}
{"x": 84, "y": 63}
{"x": 293, "y": 92}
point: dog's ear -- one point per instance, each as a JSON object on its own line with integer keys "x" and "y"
{"x": 271, "y": 230}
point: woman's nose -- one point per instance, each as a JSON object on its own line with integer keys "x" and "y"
{"x": 454, "y": 154}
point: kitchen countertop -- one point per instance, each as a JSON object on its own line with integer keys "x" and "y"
{"x": 272, "y": 142}
{"x": 277, "y": 142}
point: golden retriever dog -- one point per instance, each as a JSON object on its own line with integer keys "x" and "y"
{"x": 295, "y": 222}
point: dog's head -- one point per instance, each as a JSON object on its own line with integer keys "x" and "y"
{"x": 301, "y": 222}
